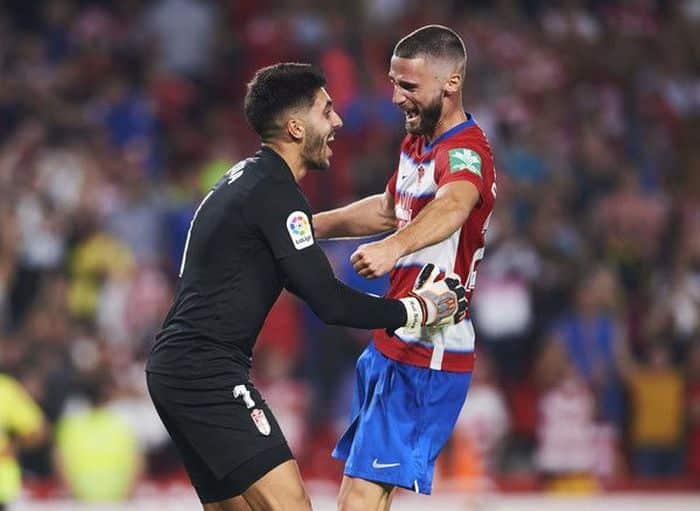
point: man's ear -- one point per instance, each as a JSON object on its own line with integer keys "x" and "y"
{"x": 295, "y": 129}
{"x": 453, "y": 84}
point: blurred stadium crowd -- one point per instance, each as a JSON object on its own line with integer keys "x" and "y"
{"x": 115, "y": 118}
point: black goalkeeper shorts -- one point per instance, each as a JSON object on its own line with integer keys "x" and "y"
{"x": 225, "y": 433}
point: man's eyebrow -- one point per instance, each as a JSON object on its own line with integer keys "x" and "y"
{"x": 402, "y": 83}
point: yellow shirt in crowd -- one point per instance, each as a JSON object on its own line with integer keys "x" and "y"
{"x": 19, "y": 416}
{"x": 657, "y": 406}
{"x": 99, "y": 453}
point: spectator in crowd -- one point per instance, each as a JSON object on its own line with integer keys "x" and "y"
{"x": 22, "y": 425}
{"x": 589, "y": 333}
{"x": 566, "y": 446}
{"x": 96, "y": 450}
{"x": 477, "y": 442}
{"x": 657, "y": 410}
{"x": 692, "y": 406}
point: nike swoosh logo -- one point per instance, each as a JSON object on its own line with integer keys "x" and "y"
{"x": 376, "y": 464}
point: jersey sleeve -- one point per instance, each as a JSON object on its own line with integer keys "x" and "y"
{"x": 461, "y": 164}
{"x": 283, "y": 216}
{"x": 311, "y": 278}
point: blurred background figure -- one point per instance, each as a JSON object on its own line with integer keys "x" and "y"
{"x": 657, "y": 422}
{"x": 565, "y": 453}
{"x": 693, "y": 409}
{"x": 22, "y": 426}
{"x": 589, "y": 333}
{"x": 116, "y": 117}
{"x": 96, "y": 450}
{"x": 476, "y": 447}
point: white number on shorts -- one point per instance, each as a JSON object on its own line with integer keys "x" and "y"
{"x": 242, "y": 391}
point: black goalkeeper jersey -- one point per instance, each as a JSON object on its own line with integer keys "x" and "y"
{"x": 250, "y": 237}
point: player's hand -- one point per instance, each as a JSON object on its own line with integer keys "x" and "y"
{"x": 372, "y": 260}
{"x": 433, "y": 302}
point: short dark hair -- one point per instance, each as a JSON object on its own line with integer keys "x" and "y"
{"x": 436, "y": 41}
{"x": 276, "y": 89}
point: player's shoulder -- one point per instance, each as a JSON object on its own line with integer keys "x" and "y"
{"x": 265, "y": 169}
{"x": 467, "y": 148}
{"x": 471, "y": 137}
{"x": 264, "y": 164}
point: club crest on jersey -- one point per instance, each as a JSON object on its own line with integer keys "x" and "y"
{"x": 299, "y": 229}
{"x": 421, "y": 173}
{"x": 465, "y": 159}
{"x": 260, "y": 421}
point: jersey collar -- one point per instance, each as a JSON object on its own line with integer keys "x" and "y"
{"x": 453, "y": 131}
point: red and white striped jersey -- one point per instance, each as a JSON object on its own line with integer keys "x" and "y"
{"x": 460, "y": 154}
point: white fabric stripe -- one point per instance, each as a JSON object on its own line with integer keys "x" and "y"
{"x": 442, "y": 254}
{"x": 404, "y": 154}
{"x": 409, "y": 182}
{"x": 438, "y": 350}
{"x": 454, "y": 247}
{"x": 457, "y": 338}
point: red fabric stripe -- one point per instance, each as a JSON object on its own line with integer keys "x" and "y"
{"x": 420, "y": 356}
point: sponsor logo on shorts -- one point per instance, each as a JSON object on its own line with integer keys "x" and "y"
{"x": 260, "y": 421}
{"x": 376, "y": 464}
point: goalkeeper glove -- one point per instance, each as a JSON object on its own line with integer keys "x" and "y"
{"x": 436, "y": 303}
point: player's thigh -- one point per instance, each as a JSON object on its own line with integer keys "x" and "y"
{"x": 363, "y": 495}
{"x": 233, "y": 504}
{"x": 280, "y": 489}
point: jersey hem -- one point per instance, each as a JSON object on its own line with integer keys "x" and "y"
{"x": 420, "y": 356}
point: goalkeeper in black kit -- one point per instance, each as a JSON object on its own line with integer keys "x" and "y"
{"x": 250, "y": 237}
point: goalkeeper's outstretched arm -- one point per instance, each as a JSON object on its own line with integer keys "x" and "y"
{"x": 310, "y": 276}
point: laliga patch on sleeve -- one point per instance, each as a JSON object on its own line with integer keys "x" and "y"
{"x": 465, "y": 159}
{"x": 299, "y": 229}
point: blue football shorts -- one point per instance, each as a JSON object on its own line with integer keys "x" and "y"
{"x": 402, "y": 417}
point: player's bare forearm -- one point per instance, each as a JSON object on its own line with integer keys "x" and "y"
{"x": 438, "y": 220}
{"x": 365, "y": 217}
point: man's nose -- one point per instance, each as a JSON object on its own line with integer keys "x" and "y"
{"x": 337, "y": 121}
{"x": 398, "y": 97}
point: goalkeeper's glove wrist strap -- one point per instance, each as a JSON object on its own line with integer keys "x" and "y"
{"x": 416, "y": 312}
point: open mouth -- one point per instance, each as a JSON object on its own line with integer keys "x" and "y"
{"x": 411, "y": 115}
